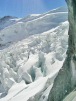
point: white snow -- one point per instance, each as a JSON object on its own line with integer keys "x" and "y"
{"x": 35, "y": 14}
{"x": 32, "y": 52}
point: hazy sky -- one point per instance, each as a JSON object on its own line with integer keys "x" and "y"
{"x": 21, "y": 8}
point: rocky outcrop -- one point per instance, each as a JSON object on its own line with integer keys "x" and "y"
{"x": 65, "y": 82}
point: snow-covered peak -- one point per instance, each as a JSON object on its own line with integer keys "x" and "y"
{"x": 7, "y": 17}
{"x": 7, "y": 21}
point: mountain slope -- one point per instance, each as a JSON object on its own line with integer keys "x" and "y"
{"x": 7, "y": 21}
{"x": 24, "y": 28}
{"x": 36, "y": 52}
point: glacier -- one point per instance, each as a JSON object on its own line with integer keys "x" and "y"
{"x": 32, "y": 51}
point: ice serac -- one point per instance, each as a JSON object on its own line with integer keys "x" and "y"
{"x": 65, "y": 82}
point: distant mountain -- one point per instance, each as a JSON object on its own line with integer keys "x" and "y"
{"x": 7, "y": 21}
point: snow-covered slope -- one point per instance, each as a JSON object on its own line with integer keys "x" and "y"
{"x": 37, "y": 49}
{"x": 31, "y": 25}
{"x": 7, "y": 21}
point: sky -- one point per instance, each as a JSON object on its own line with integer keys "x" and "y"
{"x": 21, "y": 8}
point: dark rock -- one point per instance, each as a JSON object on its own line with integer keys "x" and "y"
{"x": 65, "y": 82}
